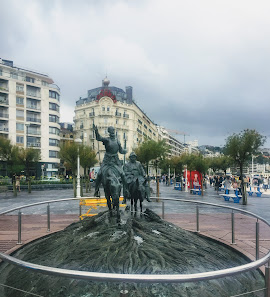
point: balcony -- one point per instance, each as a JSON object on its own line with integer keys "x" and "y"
{"x": 3, "y": 115}
{"x": 3, "y": 129}
{"x": 3, "y": 88}
{"x": 118, "y": 114}
{"x": 35, "y": 120}
{"x": 3, "y": 101}
{"x": 32, "y": 94}
{"x": 106, "y": 113}
{"x": 33, "y": 144}
{"x": 125, "y": 115}
{"x": 33, "y": 107}
{"x": 33, "y": 132}
{"x": 91, "y": 114}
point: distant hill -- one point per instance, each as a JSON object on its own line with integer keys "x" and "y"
{"x": 211, "y": 148}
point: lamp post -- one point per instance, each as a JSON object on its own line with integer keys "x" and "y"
{"x": 78, "y": 141}
{"x": 27, "y": 126}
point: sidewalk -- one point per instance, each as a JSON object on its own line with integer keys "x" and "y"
{"x": 214, "y": 222}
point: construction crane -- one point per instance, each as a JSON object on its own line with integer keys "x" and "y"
{"x": 178, "y": 133}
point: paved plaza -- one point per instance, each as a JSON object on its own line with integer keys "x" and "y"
{"x": 214, "y": 221}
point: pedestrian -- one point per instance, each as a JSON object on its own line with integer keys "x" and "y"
{"x": 18, "y": 183}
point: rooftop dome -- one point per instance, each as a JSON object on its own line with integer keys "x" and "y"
{"x": 106, "y": 82}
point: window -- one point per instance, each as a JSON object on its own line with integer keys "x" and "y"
{"x": 53, "y": 154}
{"x": 44, "y": 83}
{"x": 108, "y": 108}
{"x": 30, "y": 79}
{"x": 140, "y": 122}
{"x": 19, "y": 100}
{"x": 14, "y": 75}
{"x": 125, "y": 123}
{"x": 103, "y": 108}
{"x": 19, "y": 113}
{"x": 19, "y": 139}
{"x": 105, "y": 121}
{"x": 145, "y": 126}
{"x": 1, "y": 72}
{"x": 55, "y": 95}
{"x": 19, "y": 88}
{"x": 116, "y": 121}
{"x": 53, "y": 130}
{"x": 19, "y": 127}
{"x": 53, "y": 118}
{"x": 124, "y": 135}
{"x": 53, "y": 142}
{"x": 53, "y": 106}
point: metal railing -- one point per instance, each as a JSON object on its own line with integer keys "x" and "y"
{"x": 147, "y": 278}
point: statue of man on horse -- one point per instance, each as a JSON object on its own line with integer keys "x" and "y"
{"x": 136, "y": 181}
{"x": 111, "y": 173}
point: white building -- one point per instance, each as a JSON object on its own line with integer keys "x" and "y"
{"x": 111, "y": 106}
{"x": 29, "y": 112}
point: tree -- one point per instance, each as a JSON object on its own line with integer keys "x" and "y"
{"x": 29, "y": 158}
{"x": 11, "y": 155}
{"x": 240, "y": 147}
{"x": 87, "y": 160}
{"x": 222, "y": 162}
{"x": 68, "y": 155}
{"x": 151, "y": 150}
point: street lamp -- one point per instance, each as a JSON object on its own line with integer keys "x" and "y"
{"x": 27, "y": 126}
{"x": 78, "y": 141}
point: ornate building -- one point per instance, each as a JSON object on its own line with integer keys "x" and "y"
{"x": 111, "y": 106}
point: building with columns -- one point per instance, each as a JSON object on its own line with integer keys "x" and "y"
{"x": 30, "y": 111}
{"x": 111, "y": 106}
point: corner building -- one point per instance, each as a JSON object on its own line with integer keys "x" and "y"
{"x": 29, "y": 113}
{"x": 111, "y": 106}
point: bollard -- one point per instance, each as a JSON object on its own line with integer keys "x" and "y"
{"x": 48, "y": 218}
{"x": 19, "y": 227}
{"x": 233, "y": 237}
{"x": 197, "y": 218}
{"x": 163, "y": 210}
{"x": 257, "y": 240}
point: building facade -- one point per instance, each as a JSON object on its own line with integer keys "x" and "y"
{"x": 111, "y": 106}
{"x": 30, "y": 112}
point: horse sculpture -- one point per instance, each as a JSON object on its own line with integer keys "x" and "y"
{"x": 112, "y": 187}
{"x": 137, "y": 191}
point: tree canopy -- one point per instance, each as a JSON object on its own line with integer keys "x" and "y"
{"x": 240, "y": 147}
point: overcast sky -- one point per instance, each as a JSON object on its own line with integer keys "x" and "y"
{"x": 201, "y": 67}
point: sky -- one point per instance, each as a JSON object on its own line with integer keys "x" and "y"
{"x": 201, "y": 67}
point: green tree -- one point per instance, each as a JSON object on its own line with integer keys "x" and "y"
{"x": 151, "y": 150}
{"x": 68, "y": 155}
{"x": 11, "y": 155}
{"x": 240, "y": 147}
{"x": 222, "y": 162}
{"x": 29, "y": 158}
{"x": 87, "y": 160}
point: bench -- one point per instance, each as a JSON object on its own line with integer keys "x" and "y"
{"x": 94, "y": 204}
{"x": 196, "y": 191}
{"x": 258, "y": 193}
{"x": 235, "y": 198}
{"x": 177, "y": 186}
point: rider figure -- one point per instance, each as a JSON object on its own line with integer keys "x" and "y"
{"x": 112, "y": 146}
{"x": 133, "y": 170}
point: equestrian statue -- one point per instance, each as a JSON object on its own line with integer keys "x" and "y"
{"x": 111, "y": 174}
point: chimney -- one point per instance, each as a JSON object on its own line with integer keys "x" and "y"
{"x": 129, "y": 94}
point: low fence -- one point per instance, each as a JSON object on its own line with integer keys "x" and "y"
{"x": 260, "y": 258}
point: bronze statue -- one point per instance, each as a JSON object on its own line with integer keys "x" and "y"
{"x": 111, "y": 173}
{"x": 136, "y": 181}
